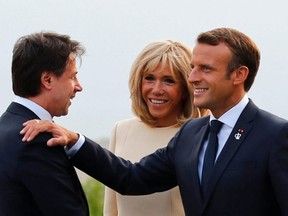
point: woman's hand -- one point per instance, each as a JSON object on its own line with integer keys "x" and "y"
{"x": 61, "y": 135}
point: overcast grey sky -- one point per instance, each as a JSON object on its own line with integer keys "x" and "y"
{"x": 115, "y": 31}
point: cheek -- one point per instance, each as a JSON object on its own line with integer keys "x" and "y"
{"x": 179, "y": 94}
{"x": 178, "y": 100}
{"x": 144, "y": 90}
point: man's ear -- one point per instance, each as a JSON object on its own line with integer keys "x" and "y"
{"x": 46, "y": 79}
{"x": 241, "y": 75}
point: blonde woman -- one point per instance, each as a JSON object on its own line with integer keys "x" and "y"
{"x": 162, "y": 102}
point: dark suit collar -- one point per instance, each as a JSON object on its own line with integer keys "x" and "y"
{"x": 19, "y": 109}
{"x": 237, "y": 136}
{"x": 36, "y": 108}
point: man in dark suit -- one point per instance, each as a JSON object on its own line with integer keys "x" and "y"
{"x": 37, "y": 180}
{"x": 248, "y": 175}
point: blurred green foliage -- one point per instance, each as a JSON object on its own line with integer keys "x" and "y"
{"x": 94, "y": 191}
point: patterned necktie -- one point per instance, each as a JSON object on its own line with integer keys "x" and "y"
{"x": 210, "y": 154}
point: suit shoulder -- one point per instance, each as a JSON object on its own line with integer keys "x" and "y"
{"x": 196, "y": 122}
{"x": 272, "y": 118}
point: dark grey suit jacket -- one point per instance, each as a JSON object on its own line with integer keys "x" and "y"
{"x": 35, "y": 179}
{"x": 250, "y": 177}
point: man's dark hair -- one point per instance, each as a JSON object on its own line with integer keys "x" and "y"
{"x": 244, "y": 50}
{"x": 38, "y": 52}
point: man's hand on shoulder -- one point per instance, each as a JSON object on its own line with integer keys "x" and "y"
{"x": 61, "y": 135}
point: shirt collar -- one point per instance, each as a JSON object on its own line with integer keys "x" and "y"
{"x": 37, "y": 109}
{"x": 231, "y": 116}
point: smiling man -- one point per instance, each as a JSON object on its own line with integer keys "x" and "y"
{"x": 36, "y": 180}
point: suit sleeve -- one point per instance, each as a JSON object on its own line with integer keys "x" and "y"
{"x": 50, "y": 178}
{"x": 153, "y": 173}
{"x": 110, "y": 202}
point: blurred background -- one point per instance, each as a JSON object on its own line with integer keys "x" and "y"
{"x": 114, "y": 32}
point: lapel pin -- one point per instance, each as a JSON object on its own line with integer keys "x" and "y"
{"x": 238, "y": 134}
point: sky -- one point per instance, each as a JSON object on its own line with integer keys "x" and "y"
{"x": 114, "y": 32}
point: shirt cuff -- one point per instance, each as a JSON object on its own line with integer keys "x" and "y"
{"x": 74, "y": 149}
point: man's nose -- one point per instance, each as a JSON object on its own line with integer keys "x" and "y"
{"x": 79, "y": 87}
{"x": 193, "y": 75}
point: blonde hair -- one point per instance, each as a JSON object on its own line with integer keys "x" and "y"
{"x": 178, "y": 57}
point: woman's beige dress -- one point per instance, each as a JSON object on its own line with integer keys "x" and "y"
{"x": 132, "y": 139}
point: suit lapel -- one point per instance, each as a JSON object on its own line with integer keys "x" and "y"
{"x": 192, "y": 137}
{"x": 198, "y": 138}
{"x": 237, "y": 136}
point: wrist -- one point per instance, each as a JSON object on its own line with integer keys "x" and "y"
{"x": 73, "y": 138}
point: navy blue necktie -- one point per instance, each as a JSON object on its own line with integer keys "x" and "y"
{"x": 210, "y": 154}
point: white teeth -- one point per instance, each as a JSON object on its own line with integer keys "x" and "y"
{"x": 157, "y": 101}
{"x": 199, "y": 90}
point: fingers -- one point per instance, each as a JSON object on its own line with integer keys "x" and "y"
{"x": 55, "y": 141}
{"x": 61, "y": 135}
{"x": 28, "y": 131}
{"x": 33, "y": 127}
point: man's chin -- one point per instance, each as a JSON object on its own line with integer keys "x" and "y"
{"x": 62, "y": 114}
{"x": 199, "y": 103}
